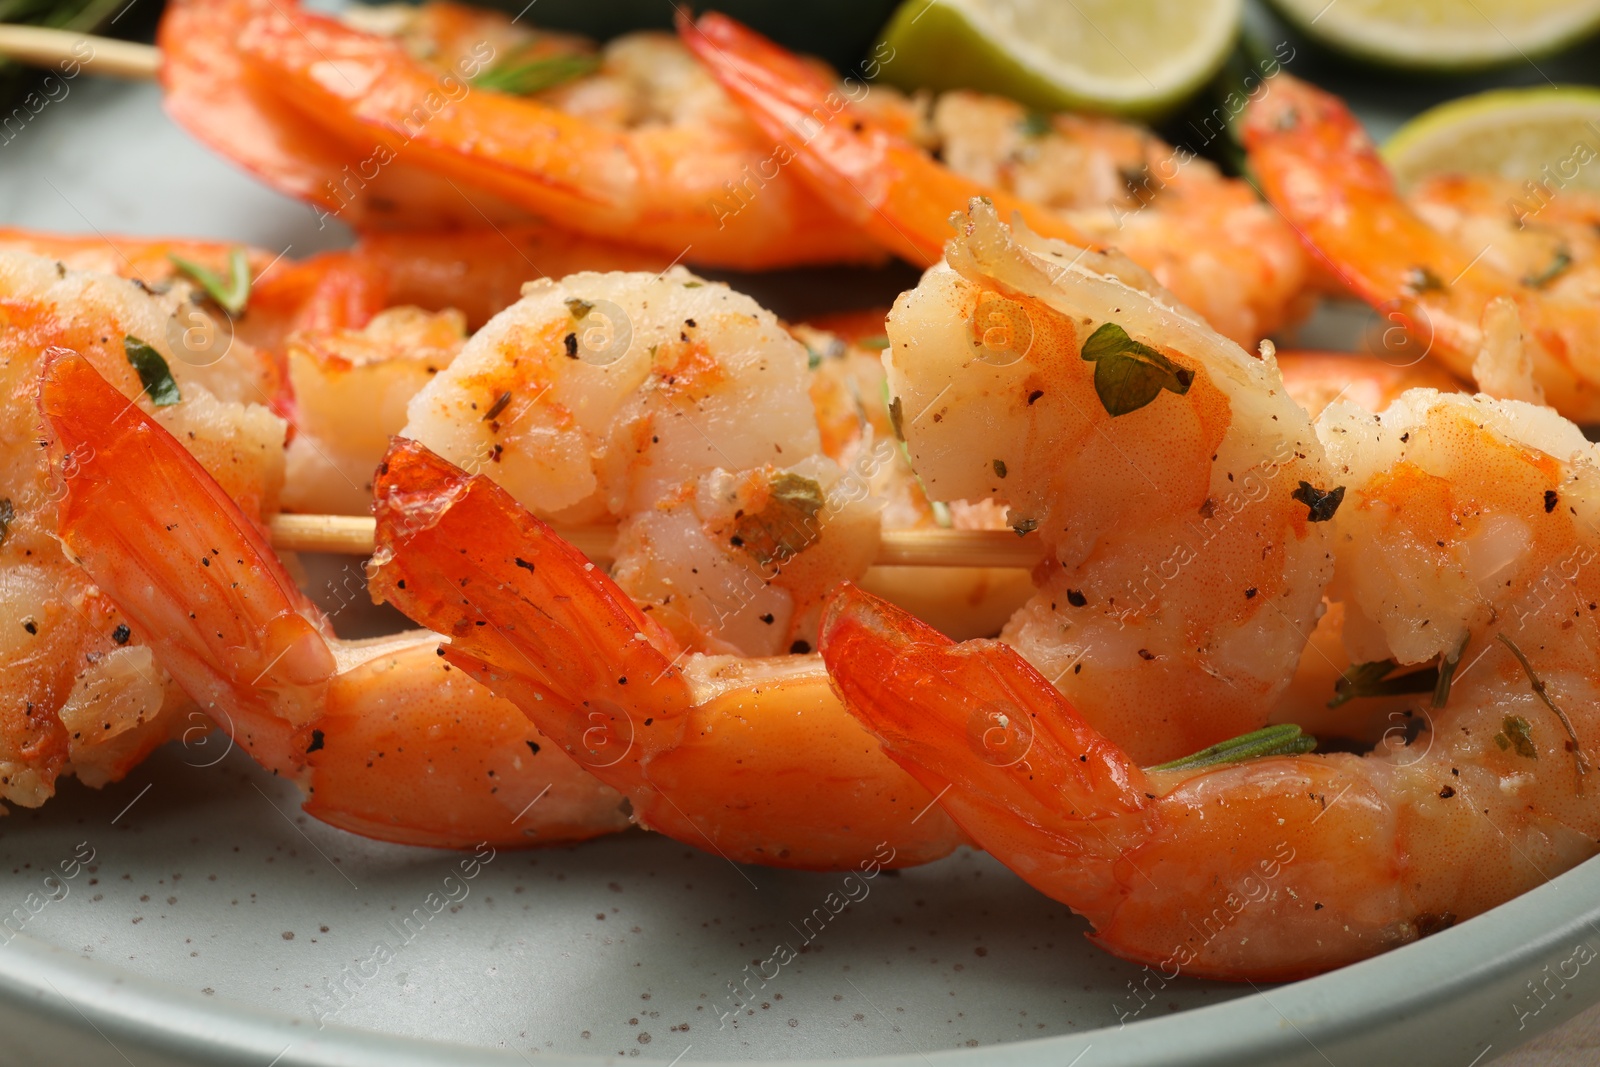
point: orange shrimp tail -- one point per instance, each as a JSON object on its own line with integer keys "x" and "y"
{"x": 633, "y": 185}
{"x": 1317, "y": 166}
{"x": 526, "y": 613}
{"x": 871, "y": 176}
{"x": 1015, "y": 764}
{"x": 197, "y": 581}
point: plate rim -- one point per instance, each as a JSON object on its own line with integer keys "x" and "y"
{"x": 39, "y": 979}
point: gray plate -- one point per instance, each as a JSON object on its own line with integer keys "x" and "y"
{"x": 215, "y": 920}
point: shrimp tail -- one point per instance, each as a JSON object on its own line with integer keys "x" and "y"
{"x": 196, "y": 579}
{"x": 870, "y": 175}
{"x": 526, "y": 613}
{"x": 1316, "y": 165}
{"x": 1185, "y": 868}
{"x": 981, "y": 728}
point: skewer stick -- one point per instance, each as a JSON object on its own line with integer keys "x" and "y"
{"x": 49, "y": 48}
{"x": 352, "y": 535}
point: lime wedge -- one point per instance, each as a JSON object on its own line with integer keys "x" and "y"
{"x": 1443, "y": 34}
{"x": 1546, "y": 135}
{"x": 1130, "y": 57}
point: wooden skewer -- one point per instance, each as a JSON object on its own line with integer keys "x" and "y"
{"x": 51, "y": 48}
{"x": 352, "y": 535}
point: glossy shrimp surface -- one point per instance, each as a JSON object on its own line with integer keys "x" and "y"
{"x": 751, "y": 757}
{"x": 678, "y": 409}
{"x": 1467, "y": 538}
{"x": 386, "y": 739}
{"x": 1091, "y": 182}
{"x": 1315, "y": 380}
{"x": 1458, "y": 265}
{"x": 81, "y": 694}
{"x": 643, "y": 157}
{"x": 1184, "y": 529}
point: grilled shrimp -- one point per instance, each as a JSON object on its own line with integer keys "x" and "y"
{"x": 386, "y": 739}
{"x": 1458, "y": 265}
{"x": 633, "y": 145}
{"x": 1091, "y": 182}
{"x": 681, "y": 411}
{"x": 79, "y": 693}
{"x": 1177, "y": 490}
{"x": 752, "y": 757}
{"x": 1467, "y": 537}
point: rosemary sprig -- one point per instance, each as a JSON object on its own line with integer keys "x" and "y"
{"x": 1447, "y": 671}
{"x": 524, "y": 78}
{"x": 1286, "y": 739}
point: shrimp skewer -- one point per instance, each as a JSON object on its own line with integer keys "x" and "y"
{"x": 754, "y": 758}
{"x": 682, "y": 410}
{"x": 654, "y": 183}
{"x": 383, "y": 738}
{"x": 79, "y": 695}
{"x": 1158, "y": 591}
{"x": 1206, "y": 238}
{"x": 1465, "y": 540}
{"x": 214, "y": 94}
{"x": 1319, "y": 168}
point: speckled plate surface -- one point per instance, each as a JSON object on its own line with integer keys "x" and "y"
{"x": 205, "y": 920}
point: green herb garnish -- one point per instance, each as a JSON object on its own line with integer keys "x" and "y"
{"x": 786, "y": 525}
{"x": 1024, "y": 527}
{"x": 1556, "y": 269}
{"x": 1373, "y": 679}
{"x": 578, "y": 309}
{"x": 1036, "y": 124}
{"x": 1283, "y": 740}
{"x": 154, "y": 374}
{"x": 877, "y": 343}
{"x": 895, "y": 415}
{"x": 1516, "y": 733}
{"x": 231, "y": 295}
{"x": 535, "y": 75}
{"x": 1127, "y": 374}
{"x": 7, "y": 513}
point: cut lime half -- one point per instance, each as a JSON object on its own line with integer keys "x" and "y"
{"x": 1129, "y": 57}
{"x": 1548, "y": 135}
{"x": 1443, "y": 34}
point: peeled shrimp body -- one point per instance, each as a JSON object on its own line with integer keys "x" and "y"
{"x": 680, "y": 410}
{"x": 1207, "y": 238}
{"x": 1445, "y": 265}
{"x": 1183, "y": 562}
{"x": 1314, "y": 380}
{"x": 849, "y": 391}
{"x": 387, "y": 739}
{"x": 1462, "y": 539}
{"x": 80, "y": 693}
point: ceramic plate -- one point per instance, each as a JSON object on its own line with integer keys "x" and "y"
{"x": 192, "y": 915}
